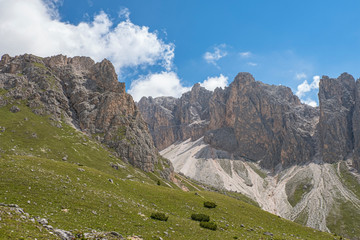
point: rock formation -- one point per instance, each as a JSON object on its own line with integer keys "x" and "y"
{"x": 249, "y": 119}
{"x": 263, "y": 123}
{"x": 172, "y": 120}
{"x": 85, "y": 94}
{"x": 337, "y": 99}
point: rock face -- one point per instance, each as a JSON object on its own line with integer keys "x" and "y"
{"x": 248, "y": 119}
{"x": 263, "y": 123}
{"x": 337, "y": 100}
{"x": 85, "y": 94}
{"x": 356, "y": 127}
{"x": 172, "y": 120}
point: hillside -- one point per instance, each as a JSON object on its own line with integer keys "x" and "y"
{"x": 91, "y": 191}
{"x": 62, "y": 178}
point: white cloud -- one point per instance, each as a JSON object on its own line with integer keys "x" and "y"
{"x": 218, "y": 53}
{"x": 252, "y": 64}
{"x": 33, "y": 26}
{"x": 213, "y": 82}
{"x": 305, "y": 87}
{"x": 245, "y": 54}
{"x": 310, "y": 102}
{"x": 300, "y": 76}
{"x": 156, "y": 85}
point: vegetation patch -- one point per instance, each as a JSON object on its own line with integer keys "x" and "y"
{"x": 349, "y": 180}
{"x": 208, "y": 204}
{"x": 200, "y": 217}
{"x": 209, "y": 225}
{"x": 159, "y": 216}
{"x": 39, "y": 65}
{"x": 297, "y": 187}
{"x": 302, "y": 217}
{"x": 344, "y": 219}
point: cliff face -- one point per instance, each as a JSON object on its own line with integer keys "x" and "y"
{"x": 85, "y": 94}
{"x": 172, "y": 120}
{"x": 248, "y": 119}
{"x": 356, "y": 127}
{"x": 265, "y": 123}
{"x": 268, "y": 123}
{"x": 337, "y": 99}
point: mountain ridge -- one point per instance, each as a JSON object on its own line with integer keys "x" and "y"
{"x": 85, "y": 94}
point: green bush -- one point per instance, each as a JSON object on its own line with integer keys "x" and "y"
{"x": 159, "y": 216}
{"x": 200, "y": 217}
{"x": 209, "y": 204}
{"x": 208, "y": 225}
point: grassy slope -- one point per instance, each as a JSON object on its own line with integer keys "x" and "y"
{"x": 344, "y": 217}
{"x": 33, "y": 175}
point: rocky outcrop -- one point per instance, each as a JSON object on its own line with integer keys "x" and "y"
{"x": 171, "y": 119}
{"x": 337, "y": 100}
{"x": 85, "y": 94}
{"x": 159, "y": 114}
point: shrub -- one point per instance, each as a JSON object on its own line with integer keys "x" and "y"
{"x": 159, "y": 216}
{"x": 208, "y": 225}
{"x": 158, "y": 183}
{"x": 200, "y": 217}
{"x": 209, "y": 204}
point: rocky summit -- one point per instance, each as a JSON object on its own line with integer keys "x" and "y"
{"x": 86, "y": 95}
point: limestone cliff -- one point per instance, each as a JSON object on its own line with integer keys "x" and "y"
{"x": 337, "y": 99}
{"x": 172, "y": 120}
{"x": 85, "y": 94}
{"x": 248, "y": 119}
{"x": 261, "y": 122}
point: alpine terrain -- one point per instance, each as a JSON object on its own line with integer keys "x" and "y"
{"x": 296, "y": 161}
{"x": 77, "y": 161}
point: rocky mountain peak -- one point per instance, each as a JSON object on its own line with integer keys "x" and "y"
{"x": 243, "y": 78}
{"x": 85, "y": 94}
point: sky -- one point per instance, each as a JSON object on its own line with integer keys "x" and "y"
{"x": 164, "y": 47}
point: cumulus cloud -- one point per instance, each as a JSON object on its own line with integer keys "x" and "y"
{"x": 310, "y": 102}
{"x": 33, "y": 26}
{"x": 218, "y": 53}
{"x": 213, "y": 82}
{"x": 156, "y": 85}
{"x": 305, "y": 87}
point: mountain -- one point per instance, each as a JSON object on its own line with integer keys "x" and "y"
{"x": 295, "y": 160}
{"x": 84, "y": 94}
{"x": 69, "y": 140}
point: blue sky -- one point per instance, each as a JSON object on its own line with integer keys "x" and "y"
{"x": 185, "y": 42}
